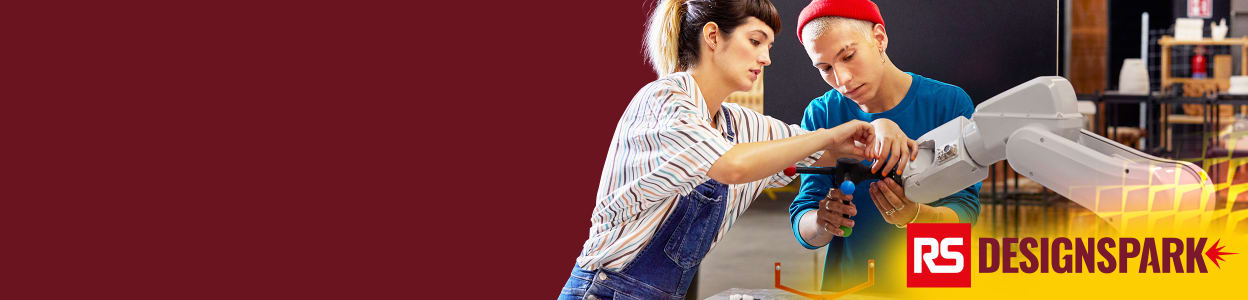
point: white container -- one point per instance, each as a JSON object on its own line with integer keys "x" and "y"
{"x": 1133, "y": 78}
{"x": 1189, "y": 29}
{"x": 1239, "y": 85}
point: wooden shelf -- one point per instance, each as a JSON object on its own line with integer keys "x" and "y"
{"x": 1170, "y": 41}
{"x": 1167, "y": 41}
{"x": 1194, "y": 120}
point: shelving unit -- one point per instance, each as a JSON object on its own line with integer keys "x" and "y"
{"x": 1204, "y": 85}
{"x": 1167, "y": 41}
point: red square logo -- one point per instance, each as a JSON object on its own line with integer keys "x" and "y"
{"x": 938, "y": 255}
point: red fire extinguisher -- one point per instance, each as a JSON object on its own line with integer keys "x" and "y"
{"x": 1198, "y": 63}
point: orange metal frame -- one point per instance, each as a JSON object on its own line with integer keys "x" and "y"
{"x": 831, "y": 295}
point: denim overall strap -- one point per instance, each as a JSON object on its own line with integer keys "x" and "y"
{"x": 664, "y": 268}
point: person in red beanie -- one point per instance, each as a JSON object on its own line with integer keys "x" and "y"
{"x": 847, "y": 42}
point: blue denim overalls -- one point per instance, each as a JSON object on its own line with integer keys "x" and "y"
{"x": 665, "y": 266}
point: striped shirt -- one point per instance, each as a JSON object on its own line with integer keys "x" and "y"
{"x": 663, "y": 147}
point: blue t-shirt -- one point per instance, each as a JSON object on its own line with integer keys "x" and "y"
{"x": 927, "y": 104}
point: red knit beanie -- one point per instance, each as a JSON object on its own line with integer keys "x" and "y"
{"x": 854, "y": 9}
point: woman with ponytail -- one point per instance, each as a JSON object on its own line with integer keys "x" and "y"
{"x": 683, "y": 165}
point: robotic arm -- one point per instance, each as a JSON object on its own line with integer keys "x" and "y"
{"x": 1037, "y": 127}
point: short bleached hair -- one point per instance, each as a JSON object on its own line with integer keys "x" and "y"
{"x": 819, "y": 26}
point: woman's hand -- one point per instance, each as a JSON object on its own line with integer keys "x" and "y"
{"x": 831, "y": 213}
{"x": 890, "y": 144}
{"x": 851, "y": 139}
{"x": 891, "y": 200}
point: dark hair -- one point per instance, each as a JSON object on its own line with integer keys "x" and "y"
{"x": 674, "y": 31}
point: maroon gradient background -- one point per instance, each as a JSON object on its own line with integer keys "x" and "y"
{"x": 306, "y": 149}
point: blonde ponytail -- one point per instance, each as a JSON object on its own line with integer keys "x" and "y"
{"x": 663, "y": 36}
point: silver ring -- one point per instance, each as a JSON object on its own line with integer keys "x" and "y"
{"x": 889, "y": 212}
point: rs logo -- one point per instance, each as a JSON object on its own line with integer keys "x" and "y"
{"x": 929, "y": 257}
{"x": 938, "y": 254}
